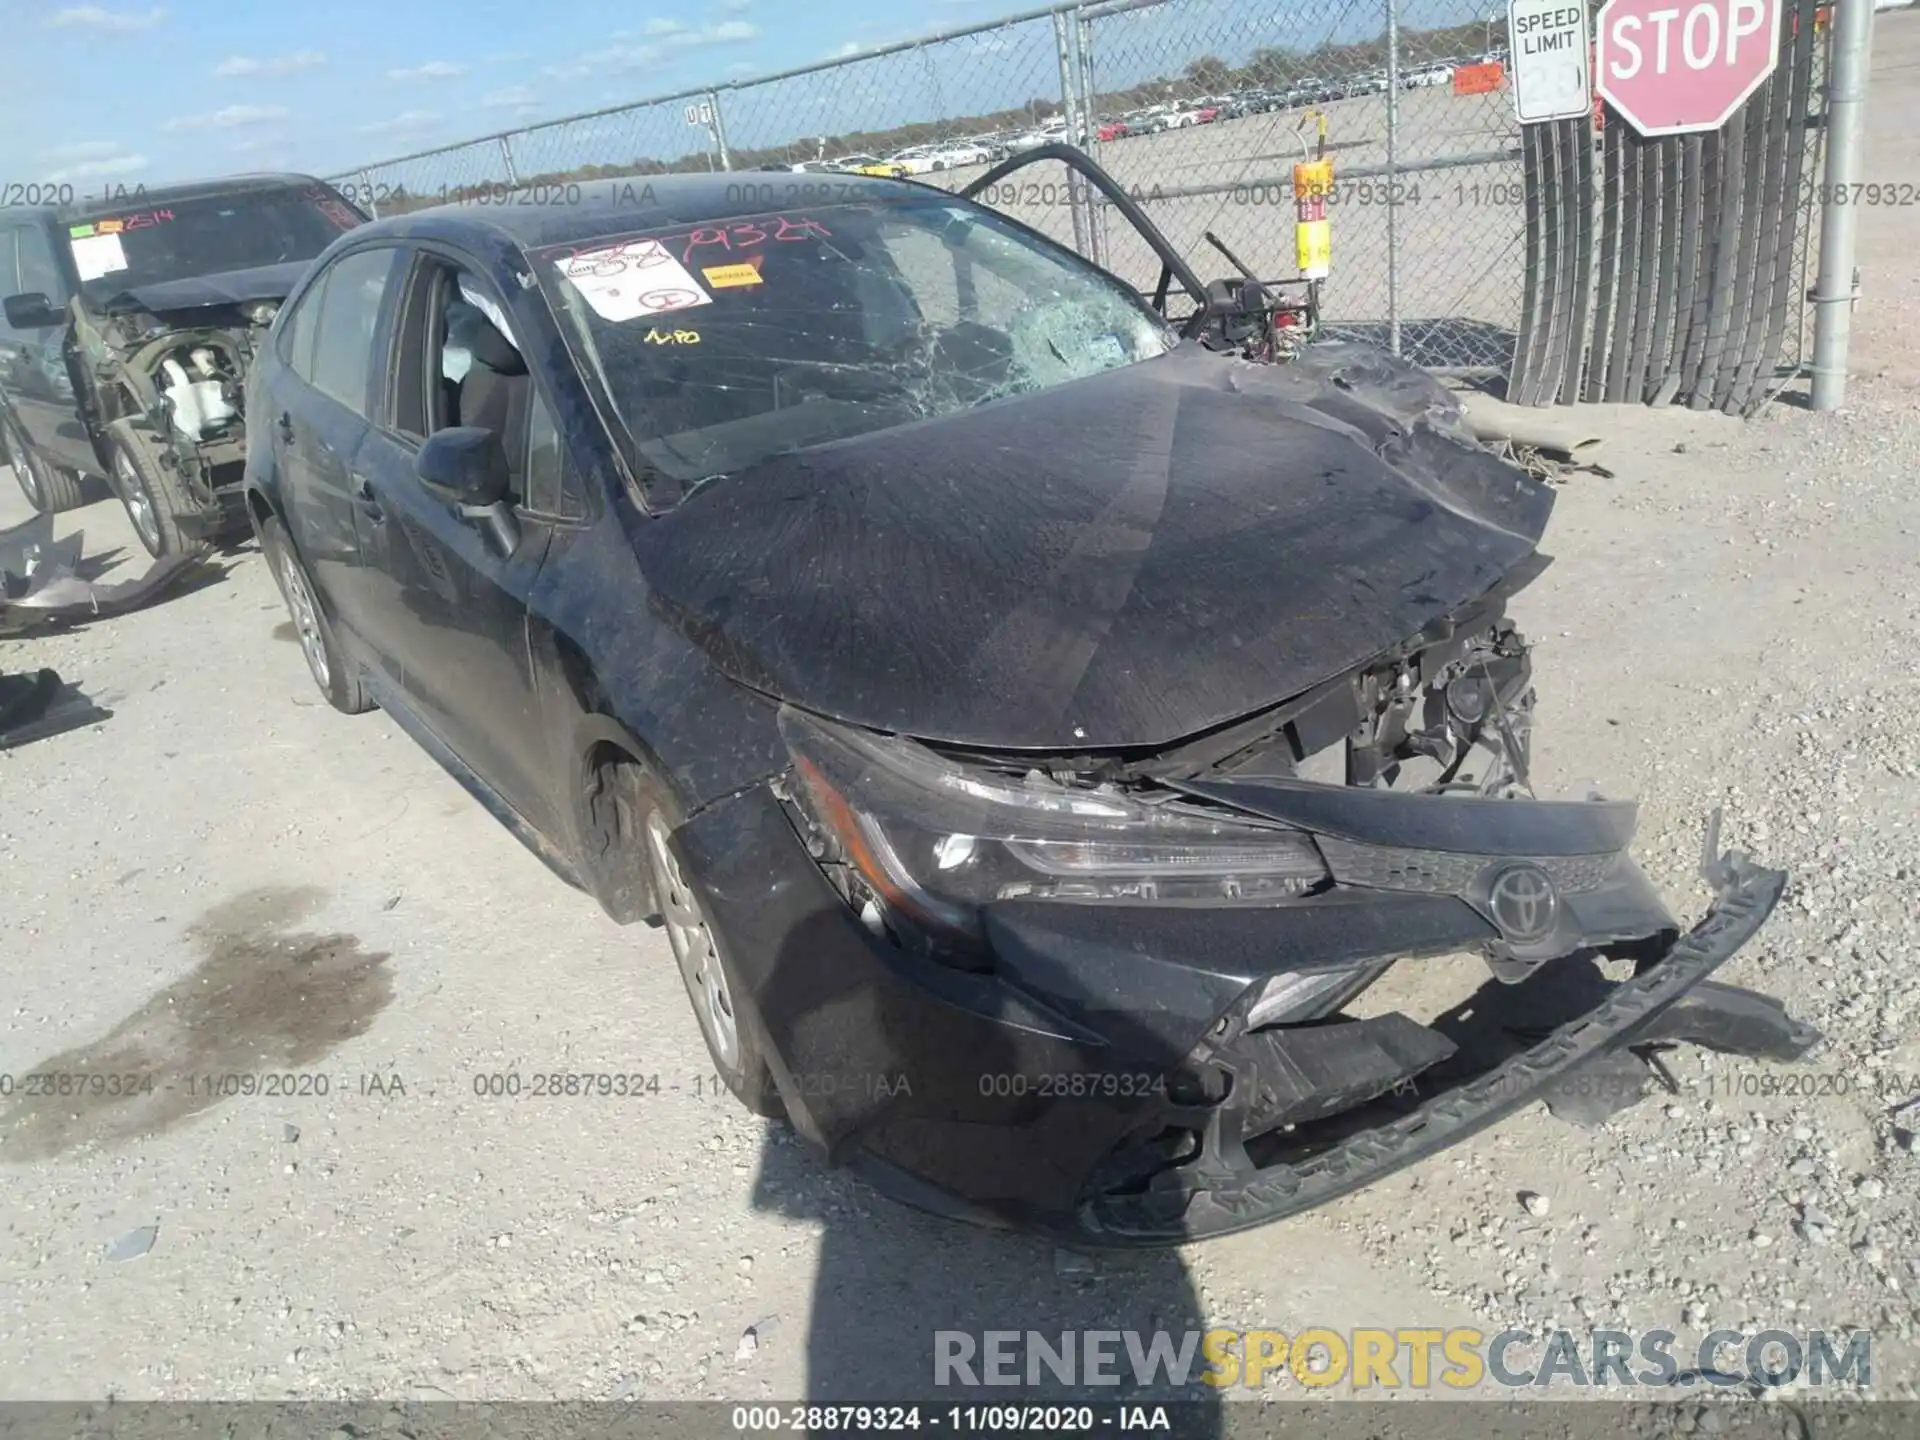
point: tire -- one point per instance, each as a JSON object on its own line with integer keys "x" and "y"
{"x": 649, "y": 816}
{"x": 338, "y": 680}
{"x": 48, "y": 488}
{"x": 154, "y": 495}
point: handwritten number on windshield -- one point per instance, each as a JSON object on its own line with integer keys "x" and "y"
{"x": 748, "y": 233}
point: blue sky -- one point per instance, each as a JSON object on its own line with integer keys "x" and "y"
{"x": 123, "y": 93}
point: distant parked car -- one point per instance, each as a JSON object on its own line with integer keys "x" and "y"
{"x": 1113, "y": 130}
{"x": 1430, "y": 76}
{"x": 866, "y": 165}
{"x": 947, "y": 155}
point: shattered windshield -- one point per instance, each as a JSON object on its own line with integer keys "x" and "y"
{"x": 725, "y": 344}
{"x": 150, "y": 244}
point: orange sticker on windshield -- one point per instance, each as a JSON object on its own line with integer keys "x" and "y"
{"x": 725, "y": 277}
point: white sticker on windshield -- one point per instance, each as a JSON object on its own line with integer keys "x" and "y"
{"x": 97, "y": 255}
{"x": 625, "y": 282}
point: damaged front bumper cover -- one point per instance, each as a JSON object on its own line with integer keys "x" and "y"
{"x": 1071, "y": 1088}
{"x": 1226, "y": 1191}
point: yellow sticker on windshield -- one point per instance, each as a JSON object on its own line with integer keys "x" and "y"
{"x": 724, "y": 277}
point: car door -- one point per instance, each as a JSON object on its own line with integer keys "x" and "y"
{"x": 318, "y": 421}
{"x": 453, "y": 617}
{"x": 39, "y": 385}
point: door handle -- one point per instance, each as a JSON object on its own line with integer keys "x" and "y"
{"x": 286, "y": 427}
{"x": 365, "y": 498}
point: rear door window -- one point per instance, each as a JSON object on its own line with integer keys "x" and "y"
{"x": 347, "y": 321}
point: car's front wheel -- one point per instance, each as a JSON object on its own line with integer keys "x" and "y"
{"x": 713, "y": 983}
{"x": 155, "y": 496}
{"x": 48, "y": 488}
{"x": 337, "y": 679}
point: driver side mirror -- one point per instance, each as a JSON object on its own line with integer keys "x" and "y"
{"x": 466, "y": 467}
{"x": 33, "y": 311}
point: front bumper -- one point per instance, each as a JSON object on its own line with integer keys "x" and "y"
{"x": 1075, "y": 1088}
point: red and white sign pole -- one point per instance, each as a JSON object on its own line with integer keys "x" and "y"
{"x": 1671, "y": 67}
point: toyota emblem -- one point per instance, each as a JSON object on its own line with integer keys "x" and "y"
{"x": 1524, "y": 903}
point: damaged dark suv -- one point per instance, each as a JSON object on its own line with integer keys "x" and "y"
{"x": 130, "y": 324}
{"x": 1047, "y": 737}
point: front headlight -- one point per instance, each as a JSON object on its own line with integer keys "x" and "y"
{"x": 935, "y": 842}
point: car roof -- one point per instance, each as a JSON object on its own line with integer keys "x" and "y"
{"x": 137, "y": 199}
{"x": 617, "y": 205}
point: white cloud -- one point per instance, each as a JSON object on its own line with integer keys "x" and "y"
{"x": 232, "y": 117}
{"x": 664, "y": 36}
{"x": 82, "y": 150}
{"x": 515, "y": 97}
{"x": 92, "y": 17}
{"x": 406, "y": 120}
{"x": 734, "y": 7}
{"x": 432, "y": 70}
{"x": 727, "y": 32}
{"x": 94, "y": 169}
{"x": 270, "y": 64}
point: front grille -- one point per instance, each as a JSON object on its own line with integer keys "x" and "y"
{"x": 1437, "y": 872}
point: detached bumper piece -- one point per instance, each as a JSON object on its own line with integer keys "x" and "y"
{"x": 1224, "y": 1186}
{"x": 35, "y": 707}
{"x": 41, "y": 583}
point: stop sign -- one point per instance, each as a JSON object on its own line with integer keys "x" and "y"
{"x": 1671, "y": 66}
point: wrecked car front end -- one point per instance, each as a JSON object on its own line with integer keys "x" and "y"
{"x": 1132, "y": 1011}
{"x": 174, "y": 381}
{"x": 1155, "y": 734}
{"x": 177, "y": 290}
{"x": 1135, "y": 991}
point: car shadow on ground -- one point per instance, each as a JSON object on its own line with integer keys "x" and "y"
{"x": 891, "y": 1279}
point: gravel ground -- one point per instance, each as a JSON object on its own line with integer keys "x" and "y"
{"x": 228, "y": 877}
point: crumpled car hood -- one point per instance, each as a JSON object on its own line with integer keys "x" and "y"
{"x": 234, "y": 287}
{"x": 1121, "y": 561}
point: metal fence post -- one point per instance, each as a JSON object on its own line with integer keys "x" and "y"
{"x": 367, "y": 193}
{"x": 1846, "y": 156}
{"x": 1090, "y": 113}
{"x": 720, "y": 130}
{"x": 1393, "y": 184}
{"x": 1069, "y": 91}
{"x": 506, "y": 154}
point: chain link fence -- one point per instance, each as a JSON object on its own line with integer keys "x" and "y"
{"x": 1200, "y": 108}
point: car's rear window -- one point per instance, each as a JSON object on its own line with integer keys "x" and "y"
{"x": 153, "y": 243}
{"x": 724, "y": 344}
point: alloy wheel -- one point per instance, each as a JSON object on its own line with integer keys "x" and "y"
{"x": 306, "y": 620}
{"x": 693, "y": 947}
{"x": 133, "y": 494}
{"x": 26, "y": 469}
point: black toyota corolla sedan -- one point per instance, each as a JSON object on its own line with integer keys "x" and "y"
{"x": 1066, "y": 759}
